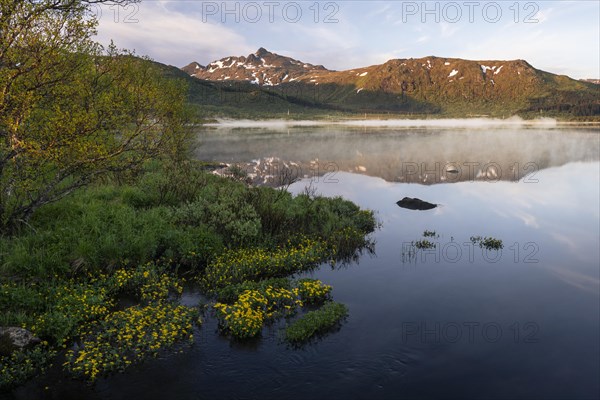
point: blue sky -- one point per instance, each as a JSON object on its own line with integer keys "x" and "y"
{"x": 557, "y": 36}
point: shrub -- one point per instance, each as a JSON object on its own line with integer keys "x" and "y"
{"x": 226, "y": 211}
{"x": 166, "y": 184}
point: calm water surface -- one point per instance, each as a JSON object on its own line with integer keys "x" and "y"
{"x": 451, "y": 322}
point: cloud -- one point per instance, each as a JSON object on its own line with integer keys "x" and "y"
{"x": 336, "y": 46}
{"x": 580, "y": 280}
{"x": 546, "y": 48}
{"x": 528, "y": 219}
{"x": 173, "y": 32}
{"x": 543, "y": 15}
{"x": 168, "y": 35}
{"x": 448, "y": 30}
{"x": 383, "y": 10}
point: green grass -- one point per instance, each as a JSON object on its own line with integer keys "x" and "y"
{"x": 63, "y": 274}
{"x": 316, "y": 322}
{"x": 188, "y": 217}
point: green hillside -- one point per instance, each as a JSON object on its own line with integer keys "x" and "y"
{"x": 431, "y": 86}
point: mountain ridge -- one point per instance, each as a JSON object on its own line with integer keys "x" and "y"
{"x": 427, "y": 85}
{"x": 261, "y": 68}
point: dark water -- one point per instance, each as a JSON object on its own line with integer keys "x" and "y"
{"x": 451, "y": 322}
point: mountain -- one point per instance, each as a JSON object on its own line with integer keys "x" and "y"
{"x": 210, "y": 99}
{"x": 262, "y": 68}
{"x": 596, "y": 81}
{"x": 193, "y": 68}
{"x": 430, "y": 85}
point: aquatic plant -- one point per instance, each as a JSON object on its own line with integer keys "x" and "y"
{"x": 229, "y": 294}
{"x": 424, "y": 244}
{"x": 149, "y": 282}
{"x": 246, "y": 316}
{"x": 313, "y": 291}
{"x": 126, "y": 337}
{"x": 64, "y": 309}
{"x": 489, "y": 243}
{"x": 253, "y": 264}
{"x": 23, "y": 364}
{"x": 316, "y": 322}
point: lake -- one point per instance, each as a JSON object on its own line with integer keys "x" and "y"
{"x": 454, "y": 321}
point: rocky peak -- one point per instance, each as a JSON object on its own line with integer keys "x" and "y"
{"x": 261, "y": 52}
{"x": 261, "y": 68}
{"x": 192, "y": 68}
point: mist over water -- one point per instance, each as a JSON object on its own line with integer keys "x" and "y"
{"x": 424, "y": 155}
{"x": 470, "y": 123}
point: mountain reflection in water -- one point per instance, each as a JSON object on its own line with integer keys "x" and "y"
{"x": 426, "y": 156}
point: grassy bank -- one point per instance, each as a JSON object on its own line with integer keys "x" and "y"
{"x": 97, "y": 275}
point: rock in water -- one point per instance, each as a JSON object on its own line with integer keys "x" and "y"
{"x": 415, "y": 204}
{"x": 14, "y": 338}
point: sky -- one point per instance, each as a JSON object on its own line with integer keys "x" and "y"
{"x": 561, "y": 37}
